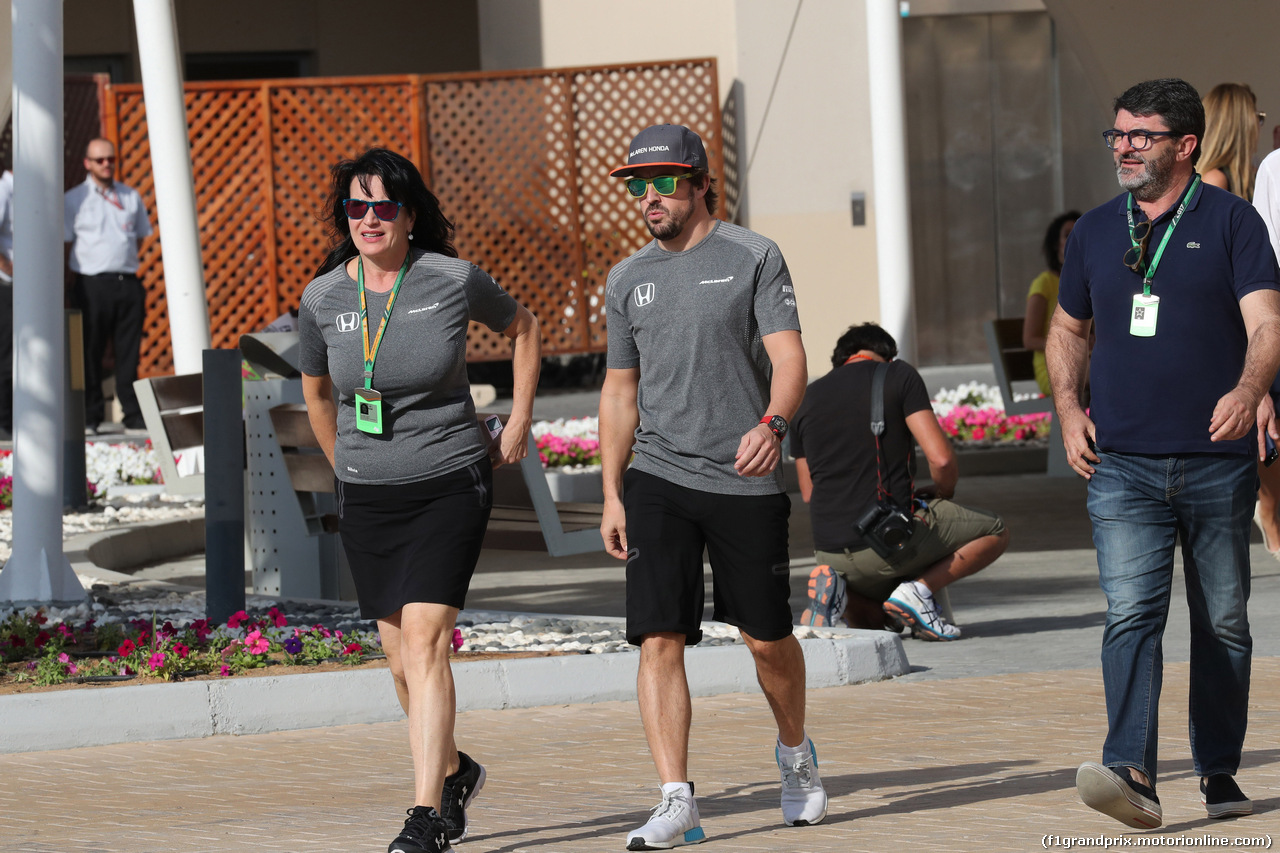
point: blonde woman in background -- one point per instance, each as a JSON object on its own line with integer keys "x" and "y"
{"x": 1232, "y": 122}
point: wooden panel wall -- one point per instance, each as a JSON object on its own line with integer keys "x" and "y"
{"x": 519, "y": 161}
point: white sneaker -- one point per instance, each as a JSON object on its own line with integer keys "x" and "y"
{"x": 804, "y": 800}
{"x": 674, "y": 823}
{"x": 920, "y": 613}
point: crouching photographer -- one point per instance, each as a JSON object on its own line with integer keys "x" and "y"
{"x": 883, "y": 546}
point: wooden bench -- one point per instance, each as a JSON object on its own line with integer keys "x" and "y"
{"x": 173, "y": 409}
{"x": 525, "y": 517}
{"x": 1012, "y": 363}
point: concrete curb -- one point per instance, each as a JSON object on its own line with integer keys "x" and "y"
{"x": 69, "y": 719}
{"x": 136, "y": 544}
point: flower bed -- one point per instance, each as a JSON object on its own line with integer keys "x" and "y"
{"x": 974, "y": 414}
{"x": 106, "y": 465}
{"x": 568, "y": 442}
{"x": 41, "y": 652}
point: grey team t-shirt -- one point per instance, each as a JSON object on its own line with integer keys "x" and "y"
{"x": 429, "y": 421}
{"x": 692, "y": 321}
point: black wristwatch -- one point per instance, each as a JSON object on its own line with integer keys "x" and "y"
{"x": 777, "y": 425}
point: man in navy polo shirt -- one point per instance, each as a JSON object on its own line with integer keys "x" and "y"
{"x": 1180, "y": 283}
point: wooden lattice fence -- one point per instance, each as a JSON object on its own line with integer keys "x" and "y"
{"x": 82, "y": 102}
{"x": 519, "y": 160}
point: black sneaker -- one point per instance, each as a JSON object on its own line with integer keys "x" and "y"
{"x": 459, "y": 790}
{"x": 1119, "y": 795}
{"x": 423, "y": 832}
{"x": 1222, "y": 797}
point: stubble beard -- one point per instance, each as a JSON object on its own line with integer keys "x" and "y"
{"x": 1153, "y": 181}
{"x": 670, "y": 227}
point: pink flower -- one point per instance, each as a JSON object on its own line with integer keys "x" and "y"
{"x": 256, "y": 643}
{"x": 225, "y": 671}
{"x": 236, "y": 618}
{"x": 181, "y": 650}
{"x": 277, "y": 617}
{"x": 156, "y": 661}
{"x": 457, "y": 639}
{"x": 126, "y": 648}
{"x": 64, "y": 658}
{"x": 202, "y": 629}
{"x": 979, "y": 433}
{"x": 353, "y": 649}
{"x": 72, "y": 669}
{"x": 64, "y": 631}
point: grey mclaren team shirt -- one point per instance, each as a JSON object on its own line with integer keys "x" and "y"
{"x": 429, "y": 421}
{"x": 692, "y": 321}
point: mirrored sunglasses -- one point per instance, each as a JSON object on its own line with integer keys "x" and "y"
{"x": 662, "y": 184}
{"x": 357, "y": 208}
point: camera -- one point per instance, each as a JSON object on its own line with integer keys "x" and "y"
{"x": 886, "y": 528}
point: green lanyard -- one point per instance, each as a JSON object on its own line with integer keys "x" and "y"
{"x": 372, "y": 353}
{"x": 1155, "y": 260}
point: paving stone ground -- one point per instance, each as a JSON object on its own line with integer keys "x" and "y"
{"x": 964, "y": 764}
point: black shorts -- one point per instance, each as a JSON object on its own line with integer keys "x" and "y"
{"x": 745, "y": 536}
{"x": 415, "y": 542}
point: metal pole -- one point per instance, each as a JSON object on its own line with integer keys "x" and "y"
{"x": 891, "y": 200}
{"x": 160, "y": 59}
{"x": 38, "y": 571}
{"x": 75, "y": 493}
{"x": 223, "y": 485}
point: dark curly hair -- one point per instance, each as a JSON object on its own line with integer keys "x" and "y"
{"x": 868, "y": 336}
{"x": 1051, "y": 235}
{"x": 403, "y": 183}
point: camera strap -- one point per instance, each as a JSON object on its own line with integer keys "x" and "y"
{"x": 877, "y": 429}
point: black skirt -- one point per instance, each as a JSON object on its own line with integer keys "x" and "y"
{"x": 415, "y": 542}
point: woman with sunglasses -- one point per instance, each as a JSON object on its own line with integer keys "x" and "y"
{"x": 384, "y": 325}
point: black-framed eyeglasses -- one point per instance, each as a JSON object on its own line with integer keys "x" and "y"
{"x": 357, "y": 208}
{"x": 1135, "y": 258}
{"x": 1139, "y": 140}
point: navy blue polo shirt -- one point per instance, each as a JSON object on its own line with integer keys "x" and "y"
{"x": 1156, "y": 395}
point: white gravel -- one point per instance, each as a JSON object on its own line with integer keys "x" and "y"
{"x": 118, "y": 511}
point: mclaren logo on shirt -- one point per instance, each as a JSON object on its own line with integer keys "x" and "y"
{"x": 644, "y": 294}
{"x": 348, "y": 322}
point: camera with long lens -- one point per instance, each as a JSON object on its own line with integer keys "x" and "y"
{"x": 886, "y": 528}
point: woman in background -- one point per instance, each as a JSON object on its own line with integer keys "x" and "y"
{"x": 1043, "y": 296}
{"x": 1232, "y": 122}
{"x": 1231, "y": 125}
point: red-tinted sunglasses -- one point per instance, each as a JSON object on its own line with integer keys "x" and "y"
{"x": 357, "y": 208}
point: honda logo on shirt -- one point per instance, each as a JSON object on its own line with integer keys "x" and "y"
{"x": 348, "y": 322}
{"x": 644, "y": 294}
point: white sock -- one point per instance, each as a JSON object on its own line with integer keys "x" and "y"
{"x": 923, "y": 590}
{"x": 684, "y": 788}
{"x": 794, "y": 750}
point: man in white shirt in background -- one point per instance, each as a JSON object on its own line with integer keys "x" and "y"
{"x": 105, "y": 219}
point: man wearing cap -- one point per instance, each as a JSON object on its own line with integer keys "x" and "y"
{"x": 104, "y": 220}
{"x": 705, "y": 369}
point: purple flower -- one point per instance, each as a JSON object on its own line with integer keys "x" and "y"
{"x": 293, "y": 645}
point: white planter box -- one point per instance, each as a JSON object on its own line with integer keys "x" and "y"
{"x": 584, "y": 485}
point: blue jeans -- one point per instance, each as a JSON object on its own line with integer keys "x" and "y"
{"x": 1141, "y": 506}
